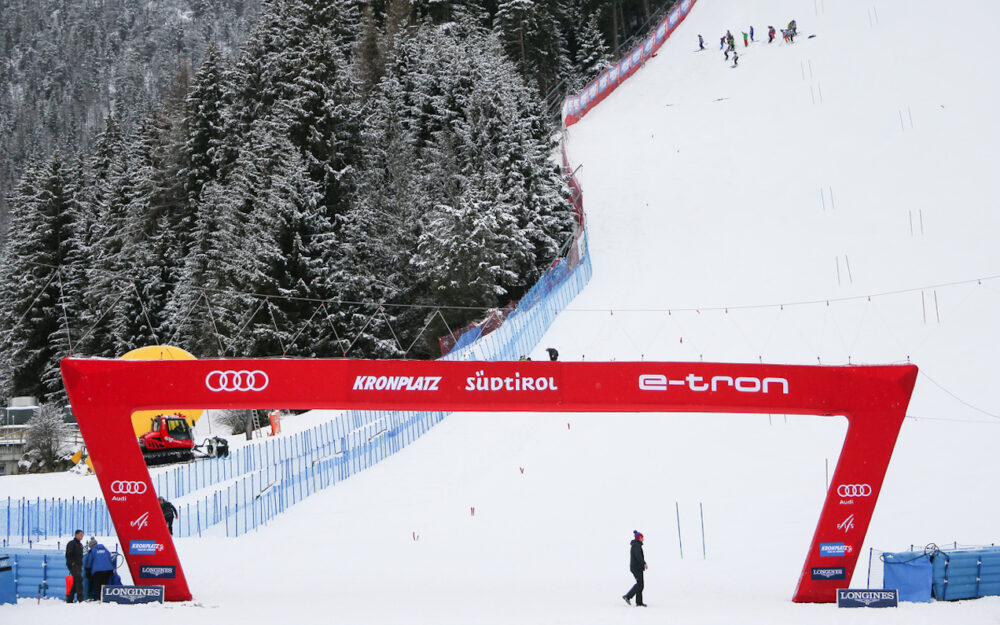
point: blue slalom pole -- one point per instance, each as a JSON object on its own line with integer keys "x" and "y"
{"x": 701, "y": 511}
{"x": 679, "y": 543}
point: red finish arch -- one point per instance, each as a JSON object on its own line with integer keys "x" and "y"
{"x": 104, "y": 393}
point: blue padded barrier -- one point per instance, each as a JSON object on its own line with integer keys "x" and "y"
{"x": 945, "y": 574}
{"x": 966, "y": 574}
{"x": 34, "y": 568}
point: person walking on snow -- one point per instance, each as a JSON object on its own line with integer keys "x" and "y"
{"x": 701, "y": 43}
{"x": 745, "y": 42}
{"x": 637, "y": 565}
{"x": 169, "y": 512}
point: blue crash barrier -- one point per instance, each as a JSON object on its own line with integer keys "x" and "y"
{"x": 8, "y": 592}
{"x": 35, "y": 572}
{"x": 944, "y": 574}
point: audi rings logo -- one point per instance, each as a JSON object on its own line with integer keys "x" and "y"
{"x": 120, "y": 487}
{"x": 236, "y": 381}
{"x": 854, "y": 490}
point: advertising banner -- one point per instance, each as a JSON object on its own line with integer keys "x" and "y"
{"x": 865, "y": 598}
{"x": 104, "y": 393}
{"x": 147, "y": 571}
{"x": 131, "y": 595}
{"x": 837, "y": 572}
{"x": 627, "y": 66}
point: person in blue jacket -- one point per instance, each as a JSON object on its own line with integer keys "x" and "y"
{"x": 99, "y": 567}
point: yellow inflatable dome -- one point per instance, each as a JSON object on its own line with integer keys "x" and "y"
{"x": 141, "y": 418}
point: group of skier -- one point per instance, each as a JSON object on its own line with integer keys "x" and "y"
{"x": 727, "y": 43}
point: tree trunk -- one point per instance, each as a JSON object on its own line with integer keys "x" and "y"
{"x": 614, "y": 25}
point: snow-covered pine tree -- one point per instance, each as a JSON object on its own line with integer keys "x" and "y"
{"x": 71, "y": 299}
{"x": 593, "y": 55}
{"x": 369, "y": 61}
{"x": 100, "y": 229}
{"x": 203, "y": 147}
{"x": 295, "y": 70}
{"x": 38, "y": 244}
{"x": 264, "y": 199}
{"x": 147, "y": 261}
{"x": 533, "y": 39}
{"x": 446, "y": 127}
{"x": 378, "y": 233}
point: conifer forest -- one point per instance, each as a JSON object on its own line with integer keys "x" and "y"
{"x": 255, "y": 178}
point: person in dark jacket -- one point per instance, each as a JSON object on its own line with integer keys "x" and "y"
{"x": 98, "y": 562}
{"x": 74, "y": 562}
{"x": 637, "y": 564}
{"x": 169, "y": 512}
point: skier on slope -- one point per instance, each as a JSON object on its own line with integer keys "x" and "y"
{"x": 736, "y": 58}
{"x": 745, "y": 42}
{"x": 701, "y": 43}
{"x": 637, "y": 565}
{"x": 770, "y": 34}
{"x": 751, "y": 33}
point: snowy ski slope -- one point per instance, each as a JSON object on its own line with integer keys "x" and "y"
{"x": 735, "y": 214}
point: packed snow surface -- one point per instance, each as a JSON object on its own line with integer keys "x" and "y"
{"x": 829, "y": 201}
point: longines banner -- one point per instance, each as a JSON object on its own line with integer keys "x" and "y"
{"x": 867, "y": 598}
{"x": 131, "y": 595}
{"x": 104, "y": 393}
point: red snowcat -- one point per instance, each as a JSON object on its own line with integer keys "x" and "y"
{"x": 170, "y": 439}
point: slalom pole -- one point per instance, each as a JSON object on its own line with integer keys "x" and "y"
{"x": 679, "y": 543}
{"x": 870, "y": 551}
{"x": 701, "y": 512}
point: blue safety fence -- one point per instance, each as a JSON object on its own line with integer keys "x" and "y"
{"x": 259, "y": 481}
{"x": 524, "y": 328}
{"x": 258, "y": 496}
{"x": 24, "y": 520}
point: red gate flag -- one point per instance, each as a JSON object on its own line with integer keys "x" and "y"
{"x": 104, "y": 393}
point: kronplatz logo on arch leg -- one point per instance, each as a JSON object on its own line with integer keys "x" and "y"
{"x": 104, "y": 393}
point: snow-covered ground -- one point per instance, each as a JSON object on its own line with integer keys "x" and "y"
{"x": 736, "y": 214}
